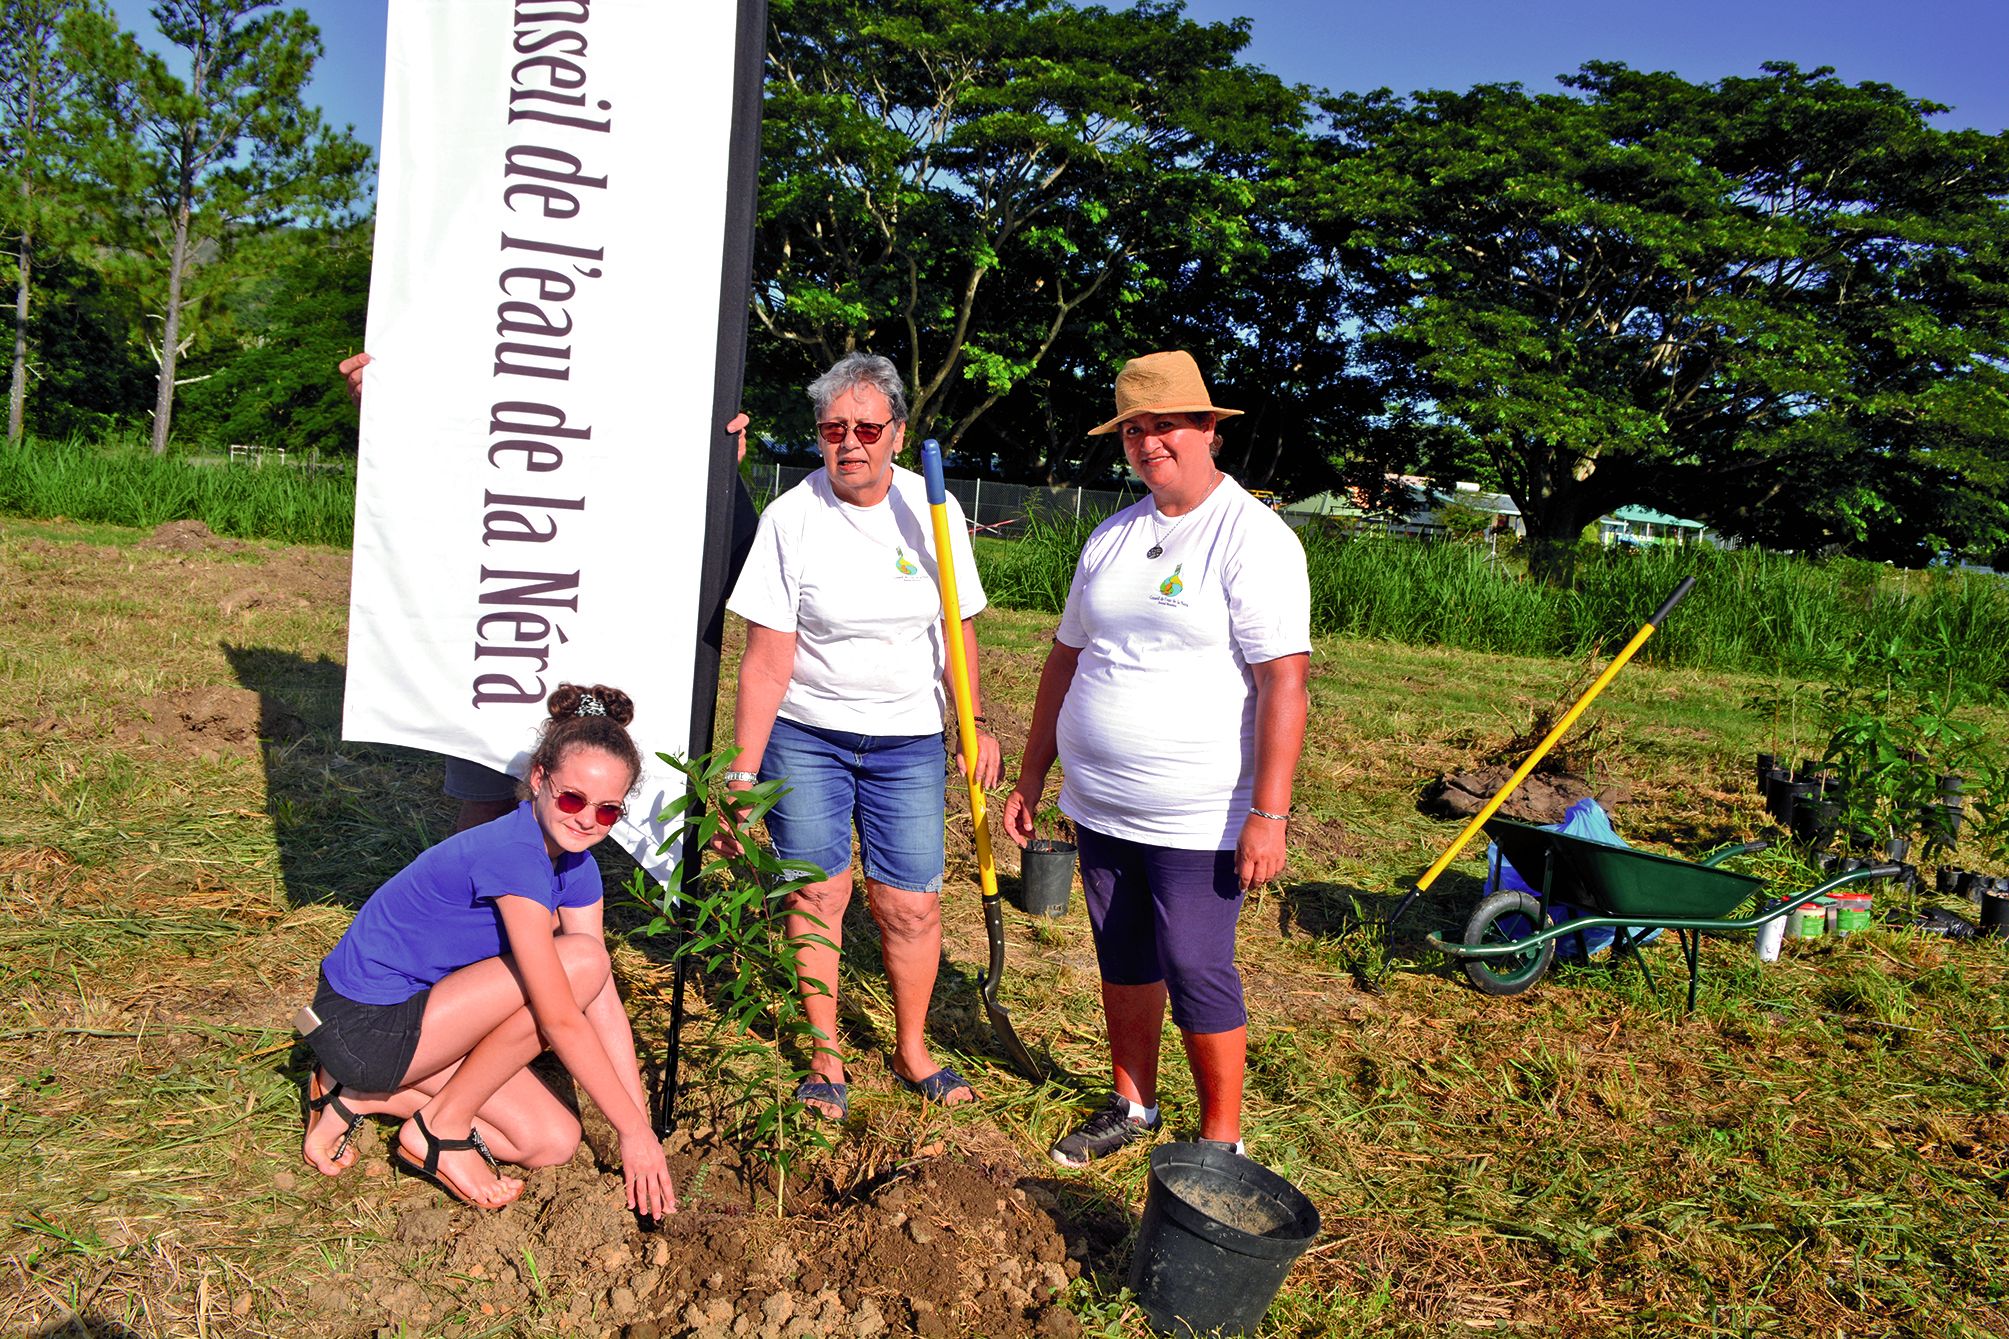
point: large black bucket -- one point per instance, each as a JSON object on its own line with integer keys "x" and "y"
{"x": 1219, "y": 1234}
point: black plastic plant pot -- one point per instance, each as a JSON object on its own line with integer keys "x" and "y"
{"x": 1949, "y": 881}
{"x": 1799, "y": 795}
{"x": 1896, "y": 849}
{"x": 1047, "y": 872}
{"x": 1952, "y": 784}
{"x": 1777, "y": 783}
{"x": 1995, "y": 914}
{"x": 1766, "y": 762}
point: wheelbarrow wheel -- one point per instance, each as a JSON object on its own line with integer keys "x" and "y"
{"x": 1508, "y": 973}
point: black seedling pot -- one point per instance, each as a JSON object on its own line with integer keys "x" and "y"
{"x": 1948, "y": 881}
{"x": 1777, "y": 783}
{"x": 1766, "y": 762}
{"x": 1951, "y": 784}
{"x": 1896, "y": 849}
{"x": 1995, "y": 914}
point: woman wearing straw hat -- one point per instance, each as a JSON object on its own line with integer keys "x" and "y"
{"x": 1174, "y": 700}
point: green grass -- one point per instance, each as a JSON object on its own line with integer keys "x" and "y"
{"x": 1750, "y": 611}
{"x": 128, "y": 485}
{"x": 1818, "y": 1149}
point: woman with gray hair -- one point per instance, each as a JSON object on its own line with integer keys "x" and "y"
{"x": 842, "y": 692}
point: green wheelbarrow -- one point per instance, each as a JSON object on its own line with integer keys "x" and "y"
{"x": 1510, "y": 941}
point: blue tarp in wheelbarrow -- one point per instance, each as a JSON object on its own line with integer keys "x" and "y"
{"x": 1588, "y": 820}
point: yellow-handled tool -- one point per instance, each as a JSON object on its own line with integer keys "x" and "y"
{"x": 1548, "y": 742}
{"x": 966, "y": 734}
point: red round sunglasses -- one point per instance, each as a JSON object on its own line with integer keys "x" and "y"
{"x": 606, "y": 814}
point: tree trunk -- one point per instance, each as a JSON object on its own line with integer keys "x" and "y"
{"x": 1554, "y": 534}
{"x": 170, "y": 336}
{"x": 17, "y": 384}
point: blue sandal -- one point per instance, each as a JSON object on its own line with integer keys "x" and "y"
{"x": 823, "y": 1090}
{"x": 937, "y": 1086}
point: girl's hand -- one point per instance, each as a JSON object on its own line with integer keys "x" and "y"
{"x": 647, "y": 1173}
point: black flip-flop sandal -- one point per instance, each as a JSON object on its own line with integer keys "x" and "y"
{"x": 429, "y": 1169}
{"x": 319, "y": 1101}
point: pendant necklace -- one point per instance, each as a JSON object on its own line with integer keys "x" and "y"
{"x": 1158, "y": 549}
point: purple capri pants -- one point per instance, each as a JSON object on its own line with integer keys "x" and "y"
{"x": 1167, "y": 915}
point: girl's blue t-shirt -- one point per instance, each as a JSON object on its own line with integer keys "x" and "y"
{"x": 438, "y": 914}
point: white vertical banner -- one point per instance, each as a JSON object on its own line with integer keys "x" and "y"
{"x": 536, "y": 435}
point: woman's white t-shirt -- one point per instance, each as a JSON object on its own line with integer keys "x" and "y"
{"x": 1157, "y": 735}
{"x": 857, "y": 587}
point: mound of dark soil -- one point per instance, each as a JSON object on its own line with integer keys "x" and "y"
{"x": 1543, "y": 798}
{"x": 945, "y": 1245}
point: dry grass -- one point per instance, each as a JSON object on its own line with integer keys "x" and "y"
{"x": 1818, "y": 1149}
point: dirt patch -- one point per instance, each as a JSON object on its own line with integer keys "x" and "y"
{"x": 211, "y": 721}
{"x": 1542, "y": 798}
{"x": 945, "y": 1245}
{"x": 189, "y": 537}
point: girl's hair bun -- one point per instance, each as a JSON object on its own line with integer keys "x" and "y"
{"x": 570, "y": 699}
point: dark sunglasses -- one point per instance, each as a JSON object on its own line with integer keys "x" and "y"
{"x": 572, "y": 802}
{"x": 866, "y": 433}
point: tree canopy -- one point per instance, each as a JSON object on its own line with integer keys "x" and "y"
{"x": 1777, "y": 303}
{"x": 966, "y": 185}
{"x": 1773, "y": 303}
{"x": 230, "y": 146}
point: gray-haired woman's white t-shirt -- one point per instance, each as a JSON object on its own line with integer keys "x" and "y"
{"x": 857, "y": 587}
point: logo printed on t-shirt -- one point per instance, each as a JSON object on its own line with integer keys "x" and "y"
{"x": 1172, "y": 585}
{"x": 903, "y": 563}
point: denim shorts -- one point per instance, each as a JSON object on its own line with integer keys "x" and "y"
{"x": 367, "y": 1047}
{"x": 889, "y": 787}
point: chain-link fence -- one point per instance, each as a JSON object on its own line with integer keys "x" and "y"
{"x": 993, "y": 508}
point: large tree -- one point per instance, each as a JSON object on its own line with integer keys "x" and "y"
{"x": 226, "y": 146}
{"x": 959, "y": 184}
{"x": 38, "y": 158}
{"x": 1703, "y": 296}
{"x": 296, "y": 311}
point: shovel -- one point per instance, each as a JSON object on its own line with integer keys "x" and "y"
{"x": 966, "y": 735}
{"x": 1548, "y": 742}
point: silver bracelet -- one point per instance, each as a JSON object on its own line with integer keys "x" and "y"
{"x": 1264, "y": 813}
{"x": 748, "y": 777}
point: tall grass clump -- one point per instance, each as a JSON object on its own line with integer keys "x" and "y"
{"x": 1751, "y": 611}
{"x": 129, "y": 485}
{"x": 1034, "y": 570}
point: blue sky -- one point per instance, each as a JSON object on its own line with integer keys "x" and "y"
{"x": 1950, "y": 51}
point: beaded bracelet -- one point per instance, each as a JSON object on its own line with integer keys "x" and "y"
{"x": 748, "y": 777}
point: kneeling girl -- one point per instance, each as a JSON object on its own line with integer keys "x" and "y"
{"x": 470, "y": 961}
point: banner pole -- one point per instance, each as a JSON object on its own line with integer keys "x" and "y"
{"x": 722, "y": 481}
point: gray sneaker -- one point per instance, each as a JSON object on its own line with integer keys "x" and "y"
{"x": 1106, "y": 1131}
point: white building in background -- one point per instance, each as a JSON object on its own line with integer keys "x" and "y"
{"x": 1631, "y": 525}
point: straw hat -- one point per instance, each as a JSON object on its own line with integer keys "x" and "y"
{"x": 1161, "y": 383}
